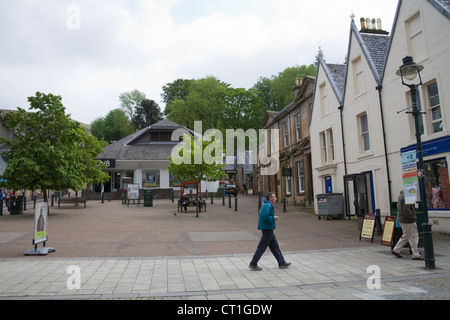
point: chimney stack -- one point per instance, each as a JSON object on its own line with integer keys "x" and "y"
{"x": 372, "y": 26}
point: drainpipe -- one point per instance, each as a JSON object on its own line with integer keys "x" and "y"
{"x": 379, "y": 88}
{"x": 341, "y": 108}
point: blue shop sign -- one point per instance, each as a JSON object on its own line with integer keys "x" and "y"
{"x": 431, "y": 147}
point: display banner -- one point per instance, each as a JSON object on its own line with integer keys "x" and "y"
{"x": 409, "y": 175}
{"x": 40, "y": 223}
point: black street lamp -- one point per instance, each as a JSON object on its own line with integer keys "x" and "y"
{"x": 409, "y": 71}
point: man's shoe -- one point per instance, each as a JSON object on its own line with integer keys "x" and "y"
{"x": 254, "y": 268}
{"x": 418, "y": 258}
{"x": 285, "y": 265}
{"x": 398, "y": 255}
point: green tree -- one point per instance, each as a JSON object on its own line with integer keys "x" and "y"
{"x": 277, "y": 91}
{"x": 205, "y": 102}
{"x": 50, "y": 150}
{"x": 198, "y": 160}
{"x": 113, "y": 127}
{"x": 147, "y": 113}
{"x": 130, "y": 100}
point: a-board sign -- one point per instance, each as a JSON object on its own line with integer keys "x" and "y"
{"x": 368, "y": 226}
{"x": 133, "y": 192}
{"x": 388, "y": 231}
{"x": 40, "y": 223}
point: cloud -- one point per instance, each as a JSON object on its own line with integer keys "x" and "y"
{"x": 123, "y": 45}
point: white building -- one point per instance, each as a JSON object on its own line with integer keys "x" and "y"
{"x": 421, "y": 30}
{"x": 357, "y": 135}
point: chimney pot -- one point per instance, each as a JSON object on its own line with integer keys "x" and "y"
{"x": 363, "y": 23}
{"x": 379, "y": 24}
{"x": 374, "y": 24}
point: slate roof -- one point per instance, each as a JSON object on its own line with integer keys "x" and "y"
{"x": 125, "y": 149}
{"x": 443, "y": 6}
{"x": 378, "y": 46}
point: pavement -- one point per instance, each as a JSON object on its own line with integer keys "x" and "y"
{"x": 114, "y": 251}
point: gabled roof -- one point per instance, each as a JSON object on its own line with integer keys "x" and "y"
{"x": 124, "y": 149}
{"x": 375, "y": 48}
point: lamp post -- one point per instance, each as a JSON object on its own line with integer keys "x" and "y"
{"x": 409, "y": 71}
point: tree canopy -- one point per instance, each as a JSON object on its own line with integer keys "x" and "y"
{"x": 50, "y": 150}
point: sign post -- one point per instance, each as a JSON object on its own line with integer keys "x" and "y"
{"x": 40, "y": 231}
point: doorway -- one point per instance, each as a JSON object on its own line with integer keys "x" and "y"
{"x": 359, "y": 194}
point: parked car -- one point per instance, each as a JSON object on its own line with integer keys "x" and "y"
{"x": 232, "y": 189}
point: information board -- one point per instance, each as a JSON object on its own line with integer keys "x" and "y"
{"x": 368, "y": 226}
{"x": 388, "y": 231}
{"x": 133, "y": 192}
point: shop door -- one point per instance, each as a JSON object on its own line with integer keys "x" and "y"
{"x": 356, "y": 195}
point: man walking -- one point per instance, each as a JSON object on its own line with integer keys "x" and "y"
{"x": 407, "y": 220}
{"x": 266, "y": 223}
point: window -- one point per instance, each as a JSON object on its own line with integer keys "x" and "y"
{"x": 298, "y": 127}
{"x": 285, "y": 135}
{"x": 323, "y": 141}
{"x": 435, "y": 108}
{"x": 327, "y": 144}
{"x": 288, "y": 185}
{"x": 323, "y": 99}
{"x": 358, "y": 76}
{"x": 364, "y": 133}
{"x": 301, "y": 176}
{"x": 416, "y": 37}
{"x": 437, "y": 184}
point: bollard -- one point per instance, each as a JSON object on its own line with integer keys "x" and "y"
{"x": 212, "y": 198}
{"x": 223, "y": 199}
{"x": 229, "y": 201}
{"x": 235, "y": 204}
{"x": 172, "y": 195}
{"x": 284, "y": 205}
{"x": 24, "y": 203}
{"x": 1, "y": 207}
{"x": 428, "y": 246}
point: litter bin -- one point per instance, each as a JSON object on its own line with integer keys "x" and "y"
{"x": 330, "y": 205}
{"x": 221, "y": 191}
{"x": 16, "y": 205}
{"x": 148, "y": 198}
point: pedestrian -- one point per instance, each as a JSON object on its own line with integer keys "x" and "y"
{"x": 407, "y": 220}
{"x": 266, "y": 223}
{"x": 7, "y": 199}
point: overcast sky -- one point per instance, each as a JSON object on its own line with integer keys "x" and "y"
{"x": 91, "y": 51}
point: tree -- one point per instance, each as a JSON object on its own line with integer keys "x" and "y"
{"x": 179, "y": 89}
{"x": 198, "y": 160}
{"x": 51, "y": 151}
{"x": 113, "y": 127}
{"x": 277, "y": 91}
{"x": 205, "y": 102}
{"x": 147, "y": 113}
{"x": 130, "y": 100}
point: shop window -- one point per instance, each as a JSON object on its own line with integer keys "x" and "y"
{"x": 437, "y": 184}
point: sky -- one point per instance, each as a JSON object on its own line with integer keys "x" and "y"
{"x": 90, "y": 51}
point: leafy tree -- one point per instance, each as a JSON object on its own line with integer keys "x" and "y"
{"x": 51, "y": 151}
{"x": 198, "y": 160}
{"x": 205, "y": 102}
{"x": 179, "y": 89}
{"x": 147, "y": 113}
{"x": 277, "y": 91}
{"x": 113, "y": 127}
{"x": 130, "y": 100}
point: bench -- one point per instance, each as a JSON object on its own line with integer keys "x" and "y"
{"x": 191, "y": 204}
{"x": 72, "y": 200}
